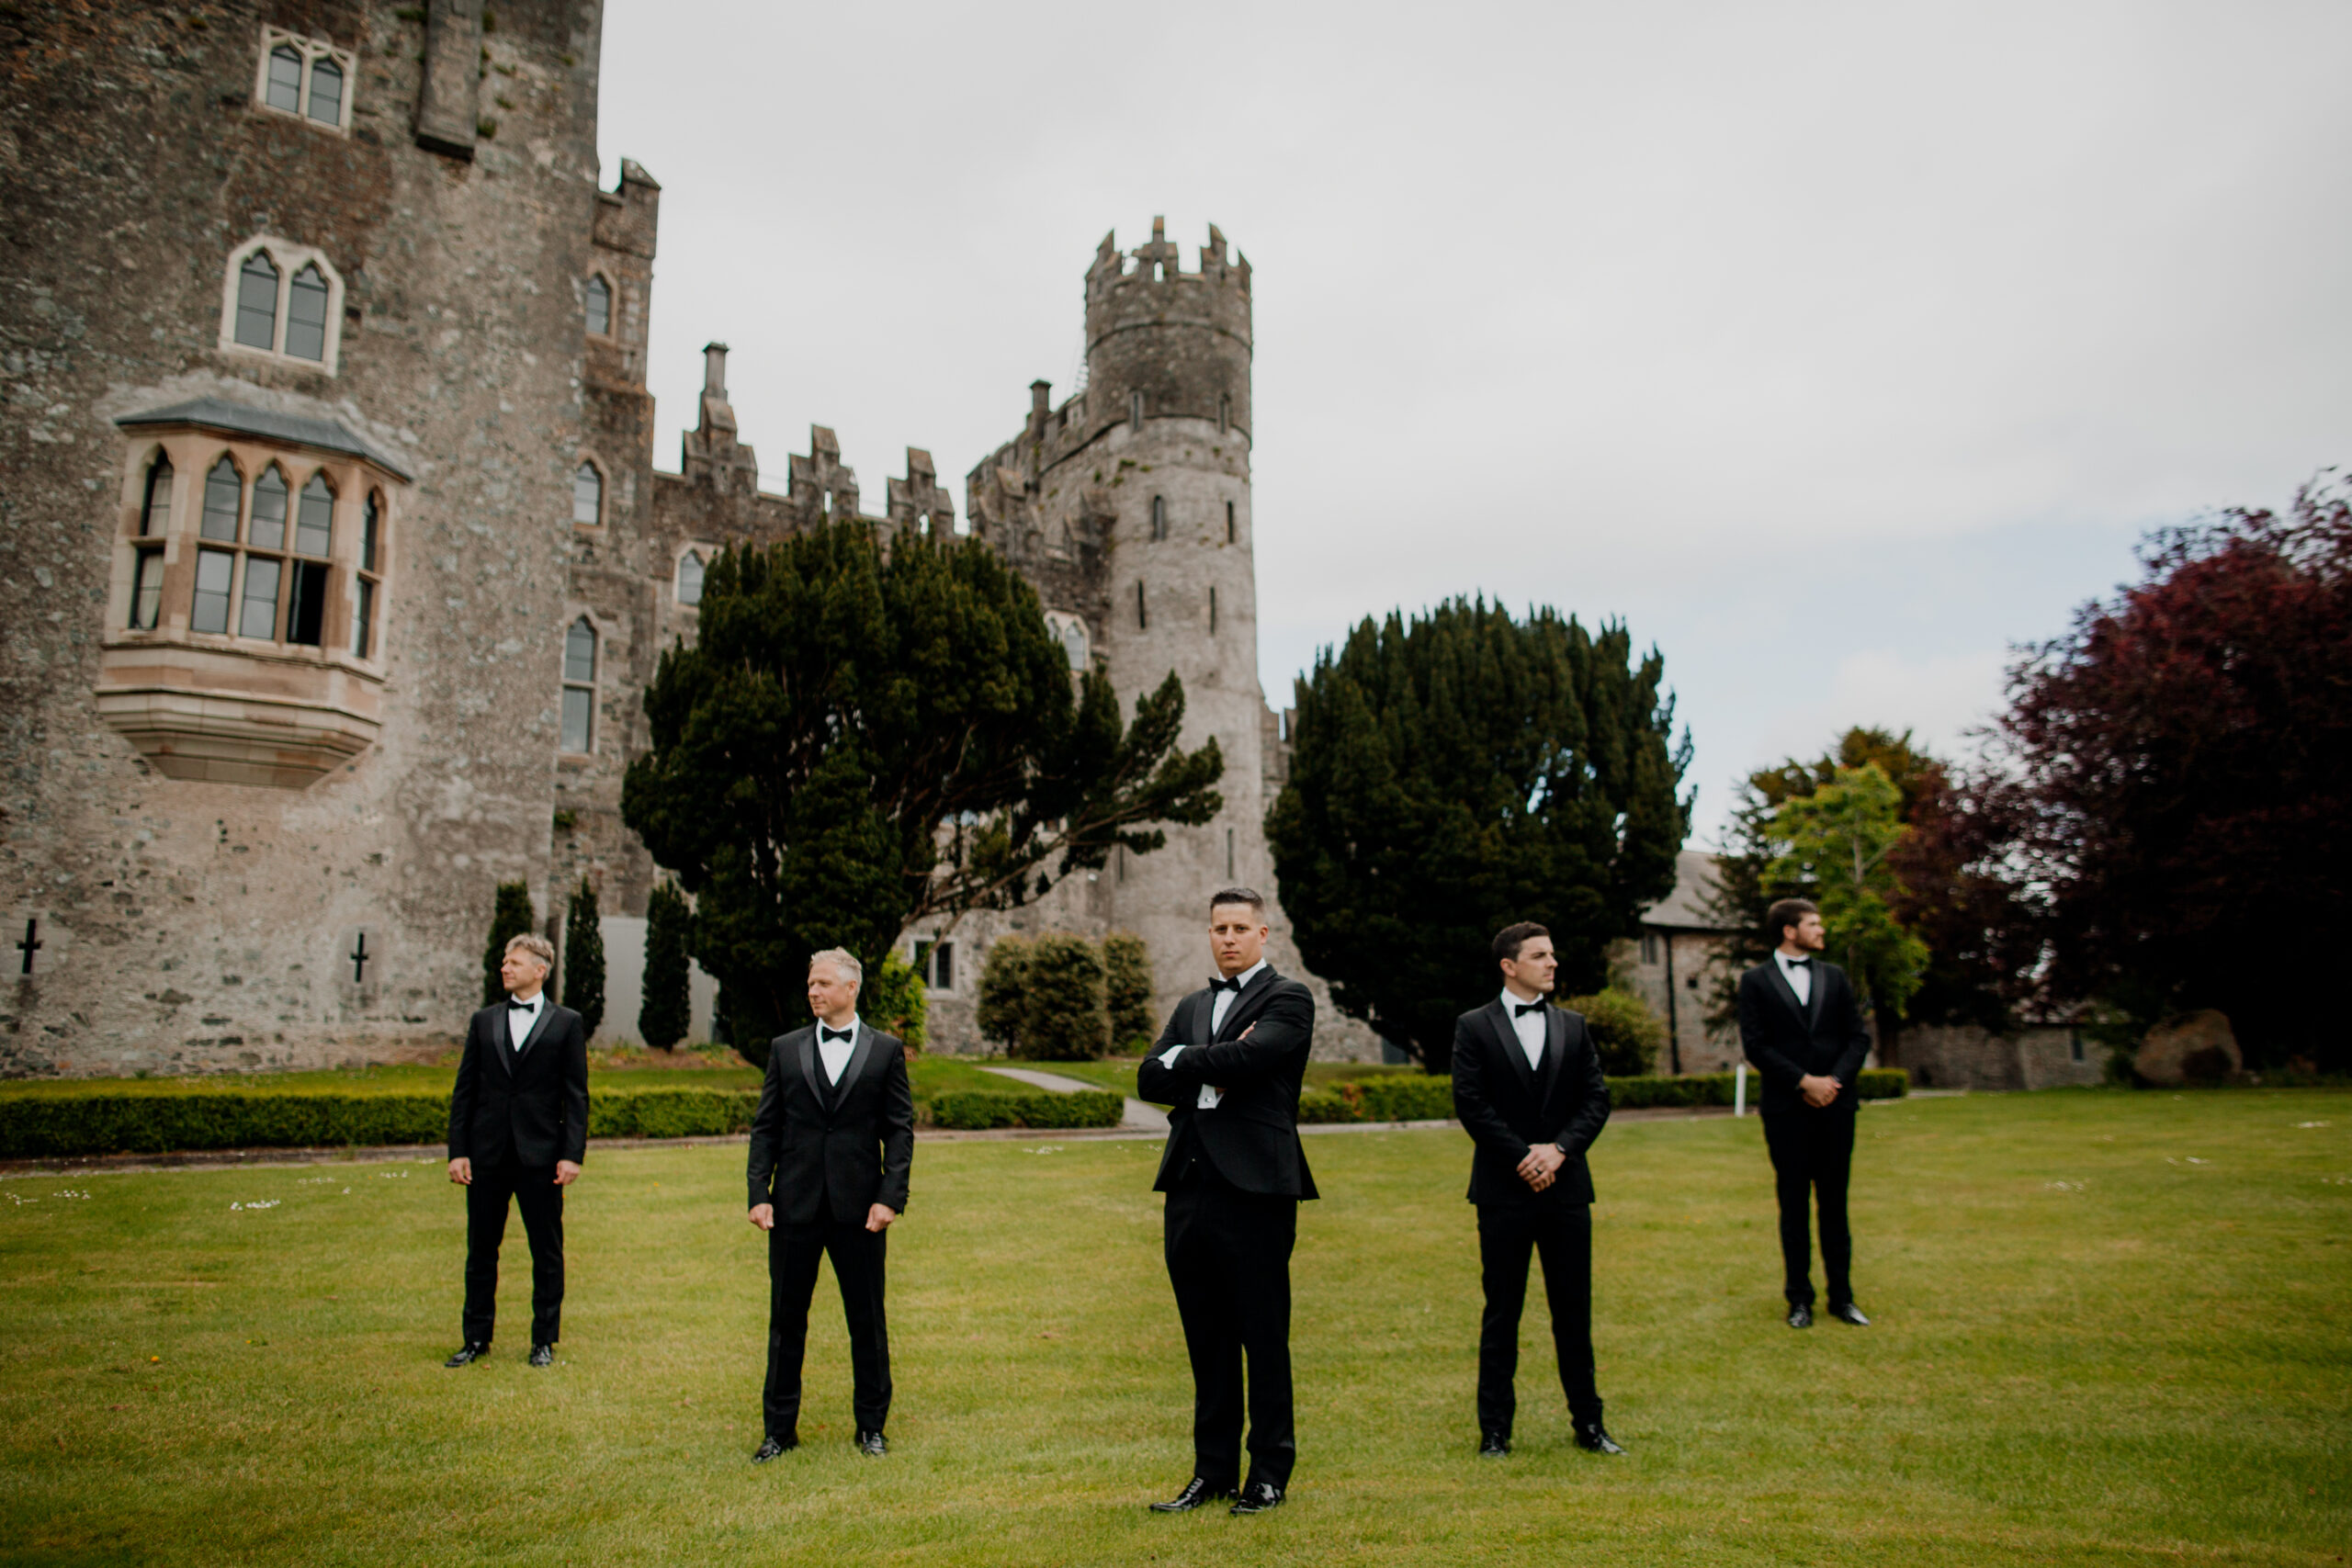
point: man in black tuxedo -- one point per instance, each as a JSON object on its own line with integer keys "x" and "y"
{"x": 1228, "y": 1065}
{"x": 1803, "y": 1031}
{"x": 518, "y": 1129}
{"x": 1528, "y": 1089}
{"x": 833, "y": 1143}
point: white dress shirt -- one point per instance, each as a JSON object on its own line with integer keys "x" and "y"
{"x": 520, "y": 1016}
{"x": 1221, "y": 1004}
{"x": 834, "y": 1052}
{"x": 1528, "y": 1027}
{"x": 1800, "y": 979}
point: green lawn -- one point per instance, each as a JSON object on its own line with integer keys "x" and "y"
{"x": 2111, "y": 1328}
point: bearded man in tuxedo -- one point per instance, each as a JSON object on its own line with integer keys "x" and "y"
{"x": 1228, "y": 1065}
{"x": 832, "y": 1143}
{"x": 1803, "y": 1031}
{"x": 518, "y": 1129}
{"x": 1528, "y": 1089}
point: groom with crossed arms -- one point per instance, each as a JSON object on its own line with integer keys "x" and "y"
{"x": 1228, "y": 1067}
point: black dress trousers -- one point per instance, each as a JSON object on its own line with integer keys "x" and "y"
{"x": 858, "y": 1256}
{"x": 1561, "y": 1236}
{"x": 1228, "y": 1261}
{"x": 1813, "y": 1155}
{"x": 533, "y": 1189}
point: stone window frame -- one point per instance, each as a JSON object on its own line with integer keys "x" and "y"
{"x": 1076, "y": 640}
{"x": 1159, "y": 519}
{"x": 313, "y": 51}
{"x": 594, "y": 685}
{"x": 604, "y": 490}
{"x": 612, "y": 304}
{"x": 289, "y": 259}
{"x": 168, "y": 556}
{"x": 702, "y": 553}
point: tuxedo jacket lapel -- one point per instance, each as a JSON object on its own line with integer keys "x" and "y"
{"x": 861, "y": 1053}
{"x": 538, "y": 1027}
{"x": 496, "y": 1045}
{"x": 1815, "y": 998}
{"x": 811, "y": 1070}
{"x": 1555, "y": 1049}
{"x": 1507, "y": 1038}
{"x": 1788, "y": 993}
{"x": 1246, "y": 1006}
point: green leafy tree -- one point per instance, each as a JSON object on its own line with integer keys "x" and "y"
{"x": 1065, "y": 1014}
{"x": 1626, "y": 1033}
{"x": 511, "y": 917}
{"x": 583, "y": 958}
{"x": 1126, "y": 969}
{"x": 666, "y": 1013}
{"x": 1004, "y": 990}
{"x": 893, "y": 999}
{"x": 861, "y": 739}
{"x": 1834, "y": 844}
{"x": 1457, "y": 772}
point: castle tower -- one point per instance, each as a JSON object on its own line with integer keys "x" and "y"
{"x": 1168, "y": 384}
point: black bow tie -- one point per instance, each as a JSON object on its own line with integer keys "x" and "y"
{"x": 826, "y": 1032}
{"x": 531, "y": 1006}
{"x": 1233, "y": 985}
{"x": 1520, "y": 1009}
{"x": 1798, "y": 962}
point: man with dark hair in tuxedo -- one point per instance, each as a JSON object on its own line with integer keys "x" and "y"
{"x": 832, "y": 1143}
{"x": 1228, "y": 1065}
{"x": 1528, "y": 1089}
{"x": 518, "y": 1129}
{"x": 1802, "y": 1029}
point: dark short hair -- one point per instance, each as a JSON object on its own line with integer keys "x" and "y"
{"x": 1248, "y": 896}
{"x": 1511, "y": 939}
{"x": 1784, "y": 913}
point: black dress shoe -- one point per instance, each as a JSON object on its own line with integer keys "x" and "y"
{"x": 1800, "y": 1314}
{"x": 1258, "y": 1497}
{"x": 1196, "y": 1493}
{"x": 1847, "y": 1312}
{"x": 1493, "y": 1445}
{"x": 1594, "y": 1436}
{"x": 772, "y": 1446}
{"x": 543, "y": 1354}
{"x": 469, "y": 1353}
{"x": 873, "y": 1445}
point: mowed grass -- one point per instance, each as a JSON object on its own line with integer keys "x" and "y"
{"x": 2111, "y": 1328}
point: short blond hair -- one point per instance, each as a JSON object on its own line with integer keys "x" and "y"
{"x": 536, "y": 946}
{"x": 841, "y": 959}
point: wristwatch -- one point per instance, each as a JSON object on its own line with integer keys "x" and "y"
{"x": 1563, "y": 1148}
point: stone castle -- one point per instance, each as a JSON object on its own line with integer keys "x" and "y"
{"x": 333, "y": 554}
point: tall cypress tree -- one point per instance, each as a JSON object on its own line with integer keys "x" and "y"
{"x": 584, "y": 959}
{"x": 1454, "y": 773}
{"x": 667, "y": 1013}
{"x": 511, "y": 918}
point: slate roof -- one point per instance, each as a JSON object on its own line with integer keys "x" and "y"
{"x": 1685, "y": 908}
{"x": 236, "y": 419}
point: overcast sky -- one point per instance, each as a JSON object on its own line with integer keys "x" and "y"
{"x": 1835, "y": 348}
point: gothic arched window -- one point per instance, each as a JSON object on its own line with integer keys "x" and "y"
{"x": 579, "y": 687}
{"x": 600, "y": 306}
{"x": 257, "y": 302}
{"x": 690, "y": 575}
{"x": 587, "y": 495}
{"x": 306, "y": 314}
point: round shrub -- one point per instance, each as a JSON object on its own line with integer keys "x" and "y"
{"x": 1624, "y": 1030}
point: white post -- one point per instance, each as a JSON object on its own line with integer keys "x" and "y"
{"x": 1739, "y": 1090}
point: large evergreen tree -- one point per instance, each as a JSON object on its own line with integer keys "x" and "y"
{"x": 511, "y": 917}
{"x": 583, "y": 958}
{"x": 1457, "y": 772}
{"x": 863, "y": 736}
{"x": 666, "y": 1013}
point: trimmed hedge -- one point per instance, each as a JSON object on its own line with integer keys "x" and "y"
{"x": 50, "y": 1126}
{"x": 970, "y": 1108}
{"x": 1415, "y": 1098}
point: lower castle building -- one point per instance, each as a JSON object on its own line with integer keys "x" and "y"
{"x": 334, "y": 555}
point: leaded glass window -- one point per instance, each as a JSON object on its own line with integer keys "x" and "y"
{"x": 223, "y": 492}
{"x": 587, "y": 495}
{"x": 268, "y": 529}
{"x": 600, "y": 306}
{"x": 690, "y": 575}
{"x": 257, "y": 614}
{"x": 210, "y": 613}
{"x": 314, "y": 521}
{"x": 326, "y": 91}
{"x": 306, "y": 315}
{"x": 579, "y": 687}
{"x": 155, "y": 517}
{"x": 363, "y": 626}
{"x": 370, "y": 522}
{"x": 147, "y": 590}
{"x": 257, "y": 302}
{"x": 285, "y": 91}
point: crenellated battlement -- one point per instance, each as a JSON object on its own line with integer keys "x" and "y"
{"x": 1149, "y": 285}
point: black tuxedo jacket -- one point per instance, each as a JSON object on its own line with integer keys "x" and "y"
{"x": 833, "y": 1151}
{"x": 533, "y": 1104}
{"x": 1251, "y": 1138}
{"x": 1787, "y": 1039}
{"x": 1507, "y": 1107}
